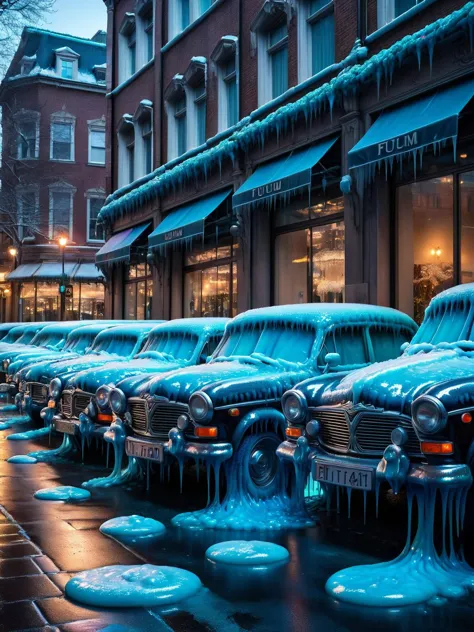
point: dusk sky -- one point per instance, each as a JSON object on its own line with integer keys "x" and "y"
{"x": 77, "y": 17}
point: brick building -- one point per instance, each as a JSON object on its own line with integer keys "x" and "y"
{"x": 53, "y": 176}
{"x": 273, "y": 152}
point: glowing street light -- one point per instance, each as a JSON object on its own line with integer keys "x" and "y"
{"x": 62, "y": 241}
{"x": 13, "y": 251}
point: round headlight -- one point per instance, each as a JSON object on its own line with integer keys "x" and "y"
{"x": 429, "y": 414}
{"x": 117, "y": 401}
{"x": 102, "y": 396}
{"x": 294, "y": 406}
{"x": 55, "y": 387}
{"x": 6, "y": 364}
{"x": 200, "y": 407}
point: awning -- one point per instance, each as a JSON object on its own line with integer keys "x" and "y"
{"x": 283, "y": 176}
{"x": 430, "y": 120}
{"x": 118, "y": 247}
{"x": 23, "y": 272}
{"x": 186, "y": 222}
{"x": 52, "y": 271}
{"x": 88, "y": 273}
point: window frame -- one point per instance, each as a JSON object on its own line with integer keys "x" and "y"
{"x": 27, "y": 116}
{"x": 96, "y": 126}
{"x": 306, "y": 20}
{"x": 127, "y": 30}
{"x": 174, "y": 95}
{"x": 93, "y": 194}
{"x": 61, "y": 187}
{"x": 147, "y": 279}
{"x": 20, "y": 191}
{"x": 226, "y": 51}
{"x": 386, "y": 11}
{"x": 62, "y": 118}
{"x": 125, "y": 139}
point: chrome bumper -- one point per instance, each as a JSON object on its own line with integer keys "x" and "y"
{"x": 180, "y": 448}
{"x": 66, "y": 426}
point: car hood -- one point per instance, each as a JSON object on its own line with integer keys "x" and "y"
{"x": 114, "y": 372}
{"x": 25, "y": 359}
{"x": 12, "y": 350}
{"x": 393, "y": 385}
{"x": 45, "y": 371}
{"x": 227, "y": 382}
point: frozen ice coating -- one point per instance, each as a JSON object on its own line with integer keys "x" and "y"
{"x": 12, "y": 421}
{"x": 350, "y": 80}
{"x": 136, "y": 527}
{"x": 65, "y": 493}
{"x": 22, "y": 458}
{"x": 247, "y": 553}
{"x": 9, "y": 408}
{"x": 50, "y": 456}
{"x": 132, "y": 586}
{"x": 29, "y": 434}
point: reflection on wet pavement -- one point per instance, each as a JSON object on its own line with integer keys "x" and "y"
{"x": 43, "y": 544}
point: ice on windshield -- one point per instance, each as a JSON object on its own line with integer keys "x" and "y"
{"x": 80, "y": 343}
{"x": 178, "y": 345}
{"x": 349, "y": 343}
{"x": 122, "y": 345}
{"x": 47, "y": 339}
{"x": 26, "y": 337}
{"x": 450, "y": 322}
{"x": 12, "y": 336}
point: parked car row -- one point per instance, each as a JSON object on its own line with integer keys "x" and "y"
{"x": 342, "y": 384}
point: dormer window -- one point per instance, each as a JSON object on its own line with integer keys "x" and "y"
{"x": 99, "y": 72}
{"x": 66, "y": 69}
{"x": 27, "y": 65}
{"x": 67, "y": 61}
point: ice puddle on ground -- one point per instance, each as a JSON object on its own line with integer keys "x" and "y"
{"x": 29, "y": 434}
{"x": 247, "y": 553}
{"x": 22, "y": 458}
{"x": 12, "y": 421}
{"x": 133, "y": 528}
{"x": 65, "y": 493}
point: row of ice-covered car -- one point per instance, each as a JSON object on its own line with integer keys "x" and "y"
{"x": 353, "y": 394}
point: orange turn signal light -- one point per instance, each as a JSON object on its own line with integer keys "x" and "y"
{"x": 51, "y": 403}
{"x": 436, "y": 447}
{"x": 102, "y": 417}
{"x": 205, "y": 431}
{"x": 233, "y": 412}
{"x": 291, "y": 431}
{"x": 466, "y": 418}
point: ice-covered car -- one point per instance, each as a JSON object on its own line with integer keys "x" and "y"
{"x": 19, "y": 339}
{"x": 5, "y": 328}
{"x": 419, "y": 407}
{"x": 44, "y": 382}
{"x": 210, "y": 411}
{"x": 169, "y": 347}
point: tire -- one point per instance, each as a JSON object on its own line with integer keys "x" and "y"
{"x": 260, "y": 470}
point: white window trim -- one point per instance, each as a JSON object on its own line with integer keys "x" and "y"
{"x": 96, "y": 194}
{"x": 28, "y": 116}
{"x": 97, "y": 125}
{"x": 195, "y": 74}
{"x": 170, "y": 105}
{"x": 66, "y": 54}
{"x": 174, "y": 16}
{"x": 386, "y": 12}
{"x": 305, "y": 70}
{"x": 143, "y": 113}
{"x": 129, "y": 24}
{"x": 224, "y": 51}
{"x": 61, "y": 187}
{"x": 142, "y": 10}
{"x": 124, "y": 128}
{"x": 21, "y": 191}
{"x": 63, "y": 117}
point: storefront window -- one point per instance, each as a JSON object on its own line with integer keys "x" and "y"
{"x": 84, "y": 301}
{"x": 309, "y": 261}
{"x": 466, "y": 187}
{"x": 28, "y": 302}
{"x": 138, "y": 292}
{"x": 425, "y": 242}
{"x": 92, "y": 304}
{"x": 47, "y": 301}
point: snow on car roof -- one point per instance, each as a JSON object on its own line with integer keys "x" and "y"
{"x": 193, "y": 325}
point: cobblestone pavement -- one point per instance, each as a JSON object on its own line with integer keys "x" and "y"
{"x": 43, "y": 544}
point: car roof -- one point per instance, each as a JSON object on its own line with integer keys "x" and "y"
{"x": 458, "y": 293}
{"x": 193, "y": 325}
{"x": 140, "y": 328}
{"x": 323, "y": 315}
{"x": 27, "y": 326}
{"x": 91, "y": 329}
{"x": 63, "y": 327}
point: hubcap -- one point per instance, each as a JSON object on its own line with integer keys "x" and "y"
{"x": 263, "y": 462}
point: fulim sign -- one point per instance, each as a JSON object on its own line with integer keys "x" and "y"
{"x": 269, "y": 189}
{"x": 397, "y": 145}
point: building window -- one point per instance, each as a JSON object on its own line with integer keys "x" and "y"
{"x": 143, "y": 118}
{"x": 61, "y": 211}
{"x": 231, "y": 95}
{"x": 40, "y": 301}
{"x": 149, "y": 34}
{"x": 200, "y": 111}
{"x": 97, "y": 142}
{"x": 28, "y": 137}
{"x": 126, "y": 151}
{"x": 95, "y": 202}
{"x": 66, "y": 69}
{"x": 277, "y": 50}
{"x": 147, "y": 136}
{"x": 210, "y": 280}
{"x": 177, "y": 118}
{"x": 309, "y": 253}
{"x": 225, "y": 59}
{"x": 389, "y": 10}
{"x": 316, "y": 44}
{"x": 127, "y": 45}
{"x": 27, "y": 212}
{"x": 180, "y": 123}
{"x": 132, "y": 52}
{"x": 62, "y": 138}
{"x": 67, "y": 62}
{"x": 138, "y": 292}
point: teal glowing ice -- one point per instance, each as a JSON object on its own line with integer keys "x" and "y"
{"x": 29, "y": 434}
{"x": 8, "y": 408}
{"x": 66, "y": 493}
{"x": 22, "y": 458}
{"x": 132, "y": 586}
{"x": 247, "y": 553}
{"x": 135, "y": 527}
{"x": 12, "y": 421}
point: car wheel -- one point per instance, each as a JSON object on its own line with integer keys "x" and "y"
{"x": 259, "y": 465}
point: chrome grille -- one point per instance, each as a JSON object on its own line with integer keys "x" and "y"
{"x": 66, "y": 404}
{"x": 137, "y": 410}
{"x": 80, "y": 402}
{"x": 38, "y": 392}
{"x": 164, "y": 416}
{"x": 373, "y": 433}
{"x": 334, "y": 427}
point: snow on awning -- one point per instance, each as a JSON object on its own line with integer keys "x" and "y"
{"x": 118, "y": 247}
{"x": 23, "y": 272}
{"x": 88, "y": 272}
{"x": 54, "y": 271}
{"x": 186, "y": 222}
{"x": 282, "y": 176}
{"x": 410, "y": 128}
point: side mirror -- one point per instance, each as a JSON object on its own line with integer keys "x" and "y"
{"x": 404, "y": 347}
{"x": 332, "y": 360}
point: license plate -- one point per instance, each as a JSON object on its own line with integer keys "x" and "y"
{"x": 65, "y": 426}
{"x": 354, "y": 477}
{"x": 51, "y": 403}
{"x": 144, "y": 450}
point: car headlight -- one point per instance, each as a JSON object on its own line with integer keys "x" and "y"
{"x": 201, "y": 407}
{"x": 102, "y": 396}
{"x": 117, "y": 401}
{"x": 55, "y": 387}
{"x": 6, "y": 364}
{"x": 429, "y": 414}
{"x": 294, "y": 406}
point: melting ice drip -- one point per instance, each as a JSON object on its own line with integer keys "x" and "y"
{"x": 50, "y": 456}
{"x": 29, "y": 434}
{"x": 12, "y": 421}
{"x": 420, "y": 573}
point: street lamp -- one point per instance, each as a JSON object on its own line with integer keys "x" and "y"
{"x": 13, "y": 252}
{"x": 62, "y": 241}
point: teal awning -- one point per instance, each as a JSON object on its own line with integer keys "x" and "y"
{"x": 186, "y": 222}
{"x": 430, "y": 120}
{"x": 118, "y": 247}
{"x": 283, "y": 176}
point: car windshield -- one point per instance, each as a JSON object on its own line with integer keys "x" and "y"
{"x": 26, "y": 337}
{"x": 449, "y": 323}
{"x": 47, "y": 339}
{"x": 80, "y": 343}
{"x": 349, "y": 342}
{"x": 122, "y": 344}
{"x": 172, "y": 345}
{"x": 269, "y": 343}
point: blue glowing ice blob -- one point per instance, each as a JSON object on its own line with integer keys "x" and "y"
{"x": 247, "y": 553}
{"x": 50, "y": 456}
{"x": 8, "y": 408}
{"x": 29, "y": 434}
{"x": 133, "y": 528}
{"x": 22, "y": 458}
{"x": 132, "y": 586}
{"x": 12, "y": 421}
{"x": 66, "y": 493}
